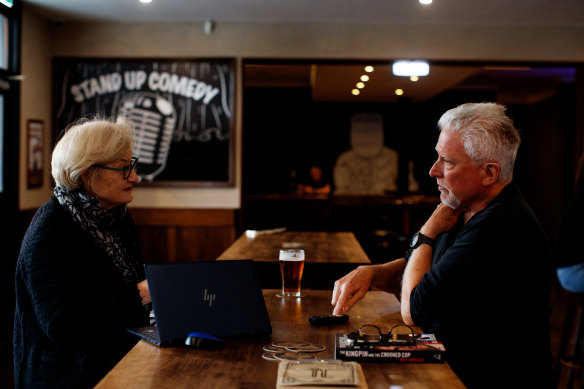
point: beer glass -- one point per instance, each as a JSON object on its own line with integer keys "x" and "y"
{"x": 291, "y": 268}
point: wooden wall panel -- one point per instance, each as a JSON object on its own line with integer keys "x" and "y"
{"x": 183, "y": 235}
{"x": 154, "y": 243}
{"x": 202, "y": 243}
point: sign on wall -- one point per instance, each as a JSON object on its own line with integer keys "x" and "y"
{"x": 34, "y": 171}
{"x": 182, "y": 112}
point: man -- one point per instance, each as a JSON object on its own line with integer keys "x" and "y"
{"x": 479, "y": 270}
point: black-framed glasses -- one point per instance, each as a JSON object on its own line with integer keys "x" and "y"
{"x": 126, "y": 170}
{"x": 370, "y": 333}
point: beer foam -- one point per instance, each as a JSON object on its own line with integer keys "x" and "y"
{"x": 291, "y": 255}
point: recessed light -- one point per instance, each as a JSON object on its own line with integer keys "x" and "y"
{"x": 414, "y": 78}
{"x": 360, "y": 85}
{"x": 145, "y": 1}
{"x": 425, "y": 2}
{"x": 369, "y": 69}
{"x": 399, "y": 92}
{"x": 355, "y": 92}
{"x": 364, "y": 78}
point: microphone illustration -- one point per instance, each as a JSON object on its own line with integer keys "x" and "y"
{"x": 154, "y": 118}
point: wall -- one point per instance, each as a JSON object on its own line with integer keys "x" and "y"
{"x": 269, "y": 40}
{"x": 35, "y": 102}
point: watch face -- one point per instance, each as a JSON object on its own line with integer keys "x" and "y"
{"x": 414, "y": 240}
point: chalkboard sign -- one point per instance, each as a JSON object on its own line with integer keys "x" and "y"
{"x": 182, "y": 112}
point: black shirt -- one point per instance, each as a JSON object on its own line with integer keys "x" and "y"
{"x": 487, "y": 296}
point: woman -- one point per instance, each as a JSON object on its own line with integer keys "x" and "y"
{"x": 79, "y": 277}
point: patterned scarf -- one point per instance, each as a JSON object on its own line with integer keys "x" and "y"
{"x": 103, "y": 227}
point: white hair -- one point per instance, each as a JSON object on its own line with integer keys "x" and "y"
{"x": 488, "y": 134}
{"x": 89, "y": 142}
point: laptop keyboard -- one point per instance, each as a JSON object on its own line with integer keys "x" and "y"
{"x": 149, "y": 333}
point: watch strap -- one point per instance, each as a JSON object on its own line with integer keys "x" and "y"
{"x": 424, "y": 239}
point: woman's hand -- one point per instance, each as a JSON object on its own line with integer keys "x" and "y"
{"x": 144, "y": 292}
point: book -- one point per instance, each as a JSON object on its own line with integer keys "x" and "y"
{"x": 426, "y": 350}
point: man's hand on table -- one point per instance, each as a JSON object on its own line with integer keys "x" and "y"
{"x": 351, "y": 288}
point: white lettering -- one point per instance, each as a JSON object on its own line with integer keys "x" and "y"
{"x": 110, "y": 83}
{"x": 106, "y": 83}
{"x": 183, "y": 86}
{"x": 134, "y": 79}
{"x": 210, "y": 93}
{"x": 179, "y": 85}
{"x": 200, "y": 91}
{"x": 77, "y": 95}
{"x": 191, "y": 88}
{"x": 356, "y": 353}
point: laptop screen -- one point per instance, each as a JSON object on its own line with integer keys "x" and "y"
{"x": 222, "y": 298}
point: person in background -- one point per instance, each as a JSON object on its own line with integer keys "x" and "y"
{"x": 316, "y": 184}
{"x": 79, "y": 277}
{"x": 570, "y": 260}
{"x": 478, "y": 273}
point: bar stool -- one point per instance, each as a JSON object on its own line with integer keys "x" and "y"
{"x": 570, "y": 352}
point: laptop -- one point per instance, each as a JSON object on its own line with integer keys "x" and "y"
{"x": 221, "y": 298}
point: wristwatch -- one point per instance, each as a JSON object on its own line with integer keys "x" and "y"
{"x": 419, "y": 239}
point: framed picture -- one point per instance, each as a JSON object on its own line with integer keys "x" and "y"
{"x": 35, "y": 133}
{"x": 182, "y": 112}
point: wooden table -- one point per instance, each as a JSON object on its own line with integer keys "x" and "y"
{"x": 329, "y": 256}
{"x": 240, "y": 364}
{"x": 327, "y": 247}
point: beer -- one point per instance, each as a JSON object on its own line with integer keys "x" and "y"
{"x": 291, "y": 268}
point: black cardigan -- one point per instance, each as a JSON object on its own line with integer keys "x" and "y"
{"x": 72, "y": 304}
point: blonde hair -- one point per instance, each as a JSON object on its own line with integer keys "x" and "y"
{"x": 89, "y": 142}
{"x": 487, "y": 132}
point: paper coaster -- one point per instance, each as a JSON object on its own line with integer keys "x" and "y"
{"x": 270, "y": 348}
{"x": 312, "y": 348}
{"x": 290, "y": 343}
{"x": 270, "y": 356}
{"x": 292, "y": 356}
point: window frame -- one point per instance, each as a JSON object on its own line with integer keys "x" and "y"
{"x": 10, "y": 90}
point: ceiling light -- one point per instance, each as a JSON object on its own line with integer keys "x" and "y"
{"x": 411, "y": 68}
{"x": 145, "y": 1}
{"x": 8, "y": 3}
{"x": 414, "y": 78}
{"x": 425, "y": 2}
{"x": 399, "y": 92}
{"x": 360, "y": 85}
{"x": 364, "y": 78}
{"x": 369, "y": 69}
{"x": 355, "y": 92}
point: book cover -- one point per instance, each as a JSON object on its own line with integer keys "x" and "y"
{"x": 426, "y": 350}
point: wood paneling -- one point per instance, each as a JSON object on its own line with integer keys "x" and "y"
{"x": 183, "y": 235}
